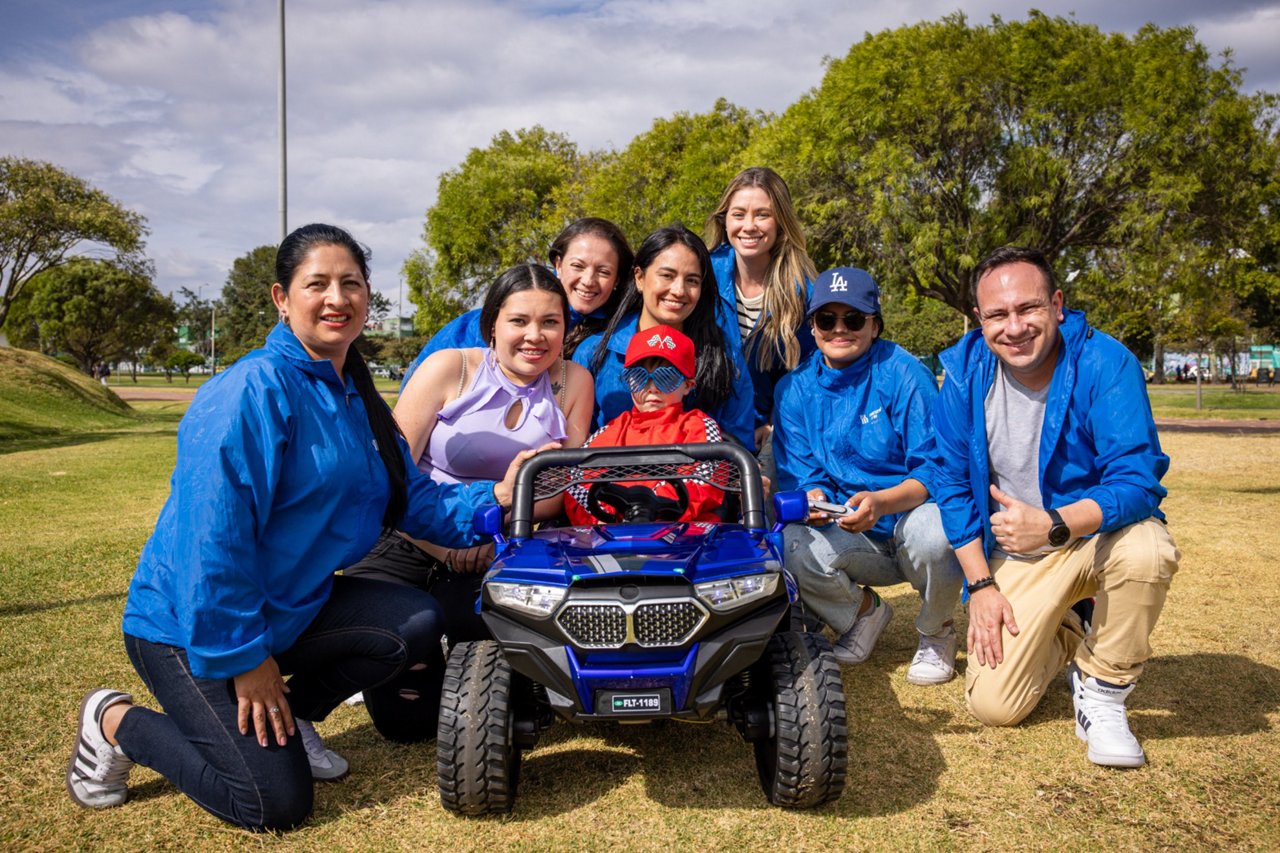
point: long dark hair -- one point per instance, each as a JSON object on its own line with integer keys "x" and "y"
{"x": 292, "y": 253}
{"x": 604, "y": 229}
{"x": 714, "y": 374}
{"x": 512, "y": 281}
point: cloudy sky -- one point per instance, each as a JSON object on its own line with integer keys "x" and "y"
{"x": 171, "y": 106}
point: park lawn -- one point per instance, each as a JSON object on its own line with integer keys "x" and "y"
{"x": 1217, "y": 402}
{"x": 922, "y": 773}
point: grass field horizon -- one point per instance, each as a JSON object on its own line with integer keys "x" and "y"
{"x": 923, "y": 774}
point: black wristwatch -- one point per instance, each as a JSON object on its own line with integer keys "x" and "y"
{"x": 1059, "y": 533}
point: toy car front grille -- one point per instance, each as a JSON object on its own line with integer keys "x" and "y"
{"x": 594, "y": 626}
{"x": 666, "y": 624}
{"x": 652, "y": 624}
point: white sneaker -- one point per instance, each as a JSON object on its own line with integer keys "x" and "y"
{"x": 935, "y": 660}
{"x": 326, "y": 765}
{"x": 1101, "y": 721}
{"x": 98, "y": 774}
{"x": 855, "y": 645}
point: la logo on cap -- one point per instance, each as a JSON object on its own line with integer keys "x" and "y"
{"x": 838, "y": 284}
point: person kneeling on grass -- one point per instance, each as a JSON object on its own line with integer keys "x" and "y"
{"x": 1048, "y": 477}
{"x": 289, "y": 465}
{"x": 658, "y": 369}
{"x": 852, "y": 425}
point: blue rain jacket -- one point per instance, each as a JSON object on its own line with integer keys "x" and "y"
{"x": 865, "y": 427}
{"x": 763, "y": 383}
{"x": 1098, "y": 439}
{"x": 278, "y": 484}
{"x": 735, "y": 415}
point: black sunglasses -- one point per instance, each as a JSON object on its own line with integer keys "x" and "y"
{"x": 853, "y": 320}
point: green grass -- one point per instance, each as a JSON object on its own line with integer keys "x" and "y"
{"x": 43, "y": 399}
{"x": 923, "y": 775}
{"x": 1253, "y": 403}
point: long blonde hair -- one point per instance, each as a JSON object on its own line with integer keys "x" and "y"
{"x": 774, "y": 337}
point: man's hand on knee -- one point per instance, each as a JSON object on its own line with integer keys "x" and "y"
{"x": 989, "y": 610}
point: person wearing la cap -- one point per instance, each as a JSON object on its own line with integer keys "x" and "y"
{"x": 1048, "y": 478}
{"x": 852, "y": 426}
{"x": 659, "y": 366}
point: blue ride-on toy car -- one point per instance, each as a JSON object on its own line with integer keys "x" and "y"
{"x": 643, "y": 618}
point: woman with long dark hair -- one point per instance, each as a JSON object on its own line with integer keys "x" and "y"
{"x": 673, "y": 284}
{"x": 289, "y": 465}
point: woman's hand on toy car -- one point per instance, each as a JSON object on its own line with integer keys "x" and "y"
{"x": 469, "y": 560}
{"x": 503, "y": 489}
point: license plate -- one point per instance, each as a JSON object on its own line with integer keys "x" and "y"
{"x": 634, "y": 702}
{"x": 637, "y": 703}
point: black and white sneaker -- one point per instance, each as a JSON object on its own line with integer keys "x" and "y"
{"x": 1101, "y": 721}
{"x": 98, "y": 774}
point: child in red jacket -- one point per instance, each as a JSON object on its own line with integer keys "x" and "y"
{"x": 659, "y": 366}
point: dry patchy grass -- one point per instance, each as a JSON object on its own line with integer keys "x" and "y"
{"x": 923, "y": 774}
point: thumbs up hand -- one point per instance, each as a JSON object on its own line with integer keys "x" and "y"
{"x": 1019, "y": 528}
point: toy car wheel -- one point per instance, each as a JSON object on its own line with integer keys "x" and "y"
{"x": 803, "y": 763}
{"x": 477, "y": 761}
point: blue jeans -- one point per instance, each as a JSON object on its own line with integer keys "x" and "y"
{"x": 406, "y": 708}
{"x": 829, "y": 563}
{"x": 367, "y": 633}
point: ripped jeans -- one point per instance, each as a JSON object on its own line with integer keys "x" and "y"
{"x": 407, "y": 708}
{"x": 366, "y": 633}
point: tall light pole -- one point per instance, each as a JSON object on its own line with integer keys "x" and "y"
{"x": 280, "y": 108}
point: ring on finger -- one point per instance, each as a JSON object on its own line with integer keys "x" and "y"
{"x": 275, "y": 709}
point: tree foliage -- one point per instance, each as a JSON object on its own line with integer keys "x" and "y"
{"x": 489, "y": 211}
{"x": 97, "y": 311}
{"x": 673, "y": 172}
{"x": 47, "y": 214}
{"x": 246, "y": 313}
{"x": 1135, "y": 161}
{"x": 928, "y": 146}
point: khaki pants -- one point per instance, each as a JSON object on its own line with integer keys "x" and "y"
{"x": 1127, "y": 570}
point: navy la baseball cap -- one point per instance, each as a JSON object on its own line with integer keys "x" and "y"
{"x": 847, "y": 285}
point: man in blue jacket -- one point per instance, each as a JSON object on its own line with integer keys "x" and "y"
{"x": 1048, "y": 480}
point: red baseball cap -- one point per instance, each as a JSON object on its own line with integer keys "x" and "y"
{"x": 665, "y": 343}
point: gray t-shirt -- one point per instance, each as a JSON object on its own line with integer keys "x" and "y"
{"x": 1014, "y": 415}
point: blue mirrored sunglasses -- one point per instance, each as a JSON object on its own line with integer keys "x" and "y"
{"x": 665, "y": 378}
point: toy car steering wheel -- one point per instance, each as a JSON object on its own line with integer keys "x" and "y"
{"x": 613, "y": 503}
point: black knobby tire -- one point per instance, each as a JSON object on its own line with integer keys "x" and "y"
{"x": 477, "y": 762}
{"x": 803, "y": 764}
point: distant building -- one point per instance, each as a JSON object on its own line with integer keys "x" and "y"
{"x": 391, "y": 327}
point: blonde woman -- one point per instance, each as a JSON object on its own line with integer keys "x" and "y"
{"x": 765, "y": 277}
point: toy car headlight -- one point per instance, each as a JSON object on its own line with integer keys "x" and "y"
{"x": 532, "y": 598}
{"x": 729, "y": 593}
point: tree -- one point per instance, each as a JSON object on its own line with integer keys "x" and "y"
{"x": 46, "y": 214}
{"x": 489, "y": 213}
{"x": 183, "y": 361}
{"x": 928, "y": 146}
{"x": 379, "y": 308}
{"x": 247, "y": 314}
{"x": 437, "y": 304}
{"x": 674, "y": 172}
{"x": 97, "y": 311}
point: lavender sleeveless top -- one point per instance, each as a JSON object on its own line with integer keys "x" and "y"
{"x": 471, "y": 441}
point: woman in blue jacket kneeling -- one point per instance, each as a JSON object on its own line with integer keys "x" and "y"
{"x": 289, "y": 465}
{"x": 852, "y": 426}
